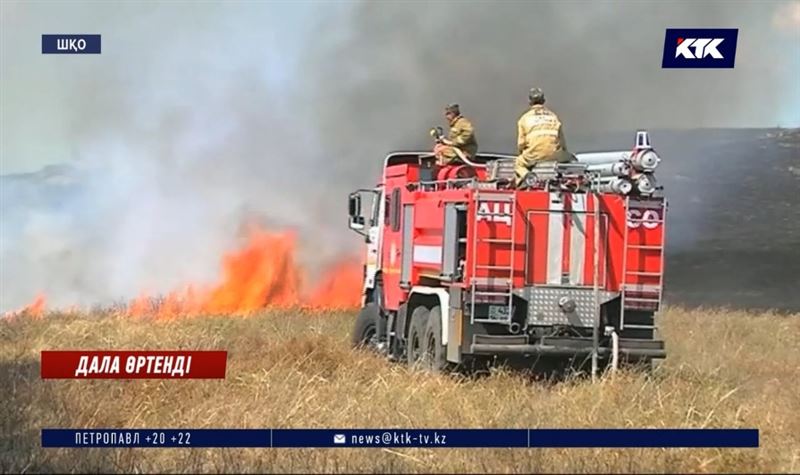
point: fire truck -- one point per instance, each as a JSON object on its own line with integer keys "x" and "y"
{"x": 463, "y": 263}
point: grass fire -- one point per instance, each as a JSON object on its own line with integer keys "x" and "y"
{"x": 226, "y": 219}
{"x": 262, "y": 273}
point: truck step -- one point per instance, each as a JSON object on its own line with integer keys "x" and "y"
{"x": 642, "y": 288}
{"x": 490, "y": 281}
{"x": 492, "y": 293}
{"x": 643, "y": 274}
{"x": 640, "y": 220}
{"x": 497, "y": 241}
{"x": 641, "y": 300}
{"x": 645, "y": 248}
{"x": 492, "y": 320}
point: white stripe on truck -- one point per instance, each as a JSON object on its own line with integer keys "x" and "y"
{"x": 577, "y": 244}
{"x": 427, "y": 254}
{"x": 555, "y": 239}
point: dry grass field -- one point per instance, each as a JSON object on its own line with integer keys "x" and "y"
{"x": 295, "y": 369}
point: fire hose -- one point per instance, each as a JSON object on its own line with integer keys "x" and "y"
{"x": 438, "y": 136}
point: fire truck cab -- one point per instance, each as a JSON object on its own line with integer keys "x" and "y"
{"x": 461, "y": 264}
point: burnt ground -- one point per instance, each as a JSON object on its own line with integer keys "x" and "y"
{"x": 733, "y": 234}
{"x": 747, "y": 249}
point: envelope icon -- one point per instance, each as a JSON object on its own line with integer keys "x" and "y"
{"x": 339, "y": 439}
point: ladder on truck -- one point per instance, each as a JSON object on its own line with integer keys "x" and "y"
{"x": 637, "y": 300}
{"x": 497, "y": 290}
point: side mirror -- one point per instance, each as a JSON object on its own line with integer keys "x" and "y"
{"x": 354, "y": 205}
{"x": 357, "y": 222}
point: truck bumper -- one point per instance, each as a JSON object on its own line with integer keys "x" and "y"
{"x": 485, "y": 344}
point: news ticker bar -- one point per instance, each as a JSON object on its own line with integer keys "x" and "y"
{"x": 397, "y": 438}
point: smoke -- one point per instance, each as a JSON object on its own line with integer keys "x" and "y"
{"x": 180, "y": 133}
{"x": 196, "y": 119}
{"x": 599, "y": 64}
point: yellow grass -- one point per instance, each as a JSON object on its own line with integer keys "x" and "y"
{"x": 294, "y": 369}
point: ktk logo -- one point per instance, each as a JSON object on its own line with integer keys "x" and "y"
{"x": 699, "y": 48}
{"x": 702, "y": 47}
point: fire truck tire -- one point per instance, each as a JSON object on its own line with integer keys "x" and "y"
{"x": 416, "y": 336}
{"x": 369, "y": 325}
{"x": 435, "y": 352}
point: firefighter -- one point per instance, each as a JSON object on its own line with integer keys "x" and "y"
{"x": 540, "y": 136}
{"x": 461, "y": 136}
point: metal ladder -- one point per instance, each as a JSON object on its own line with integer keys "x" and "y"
{"x": 507, "y": 294}
{"x": 625, "y": 287}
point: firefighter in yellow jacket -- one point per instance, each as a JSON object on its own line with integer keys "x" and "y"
{"x": 540, "y": 136}
{"x": 461, "y": 135}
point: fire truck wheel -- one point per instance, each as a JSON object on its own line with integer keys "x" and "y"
{"x": 369, "y": 326}
{"x": 416, "y": 336}
{"x": 434, "y": 349}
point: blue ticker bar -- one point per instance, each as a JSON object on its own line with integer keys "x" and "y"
{"x": 156, "y": 438}
{"x": 398, "y": 438}
{"x": 656, "y": 438}
{"x": 431, "y": 438}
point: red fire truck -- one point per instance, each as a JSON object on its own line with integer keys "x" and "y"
{"x": 462, "y": 264}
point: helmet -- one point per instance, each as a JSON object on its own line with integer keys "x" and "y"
{"x": 536, "y": 96}
{"x": 452, "y": 109}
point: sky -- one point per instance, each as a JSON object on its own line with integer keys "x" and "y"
{"x": 163, "y": 55}
{"x": 160, "y": 55}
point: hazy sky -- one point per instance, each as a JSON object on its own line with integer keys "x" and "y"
{"x": 165, "y": 54}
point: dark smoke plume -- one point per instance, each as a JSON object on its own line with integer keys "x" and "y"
{"x": 599, "y": 64}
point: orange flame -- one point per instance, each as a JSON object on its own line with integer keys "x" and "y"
{"x": 34, "y": 309}
{"x": 261, "y": 274}
{"x": 339, "y": 288}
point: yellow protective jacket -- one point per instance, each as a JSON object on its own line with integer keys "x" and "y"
{"x": 539, "y": 134}
{"x": 462, "y": 134}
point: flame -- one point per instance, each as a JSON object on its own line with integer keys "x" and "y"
{"x": 34, "y": 309}
{"x": 340, "y": 287}
{"x": 261, "y": 274}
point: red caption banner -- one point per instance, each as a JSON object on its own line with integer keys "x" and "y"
{"x": 134, "y": 364}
